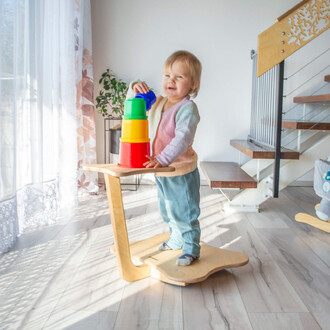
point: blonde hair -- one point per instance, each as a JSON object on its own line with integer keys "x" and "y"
{"x": 193, "y": 64}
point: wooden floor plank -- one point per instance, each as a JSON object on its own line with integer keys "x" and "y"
{"x": 270, "y": 219}
{"x": 262, "y": 284}
{"x": 214, "y": 304}
{"x": 291, "y": 202}
{"x": 170, "y": 316}
{"x": 307, "y": 274}
{"x": 302, "y": 321}
{"x": 323, "y": 319}
{"x": 77, "y": 319}
{"x": 140, "y": 306}
{"x": 64, "y": 276}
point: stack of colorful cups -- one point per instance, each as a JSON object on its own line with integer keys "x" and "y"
{"x": 135, "y": 142}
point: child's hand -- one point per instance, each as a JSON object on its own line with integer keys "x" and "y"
{"x": 140, "y": 87}
{"x": 152, "y": 163}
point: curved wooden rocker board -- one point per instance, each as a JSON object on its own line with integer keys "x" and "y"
{"x": 164, "y": 268}
{"x": 313, "y": 220}
{"x": 157, "y": 264}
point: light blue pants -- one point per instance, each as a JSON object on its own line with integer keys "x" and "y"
{"x": 179, "y": 199}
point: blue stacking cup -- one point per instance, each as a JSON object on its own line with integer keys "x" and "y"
{"x": 149, "y": 97}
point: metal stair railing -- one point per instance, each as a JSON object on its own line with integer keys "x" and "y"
{"x": 267, "y": 110}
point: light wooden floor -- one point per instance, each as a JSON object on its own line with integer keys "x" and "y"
{"x": 65, "y": 277}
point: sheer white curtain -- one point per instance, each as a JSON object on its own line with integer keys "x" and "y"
{"x": 47, "y": 126}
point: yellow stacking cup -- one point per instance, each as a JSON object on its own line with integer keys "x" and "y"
{"x": 134, "y": 131}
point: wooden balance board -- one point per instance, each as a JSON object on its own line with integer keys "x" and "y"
{"x": 164, "y": 268}
{"x": 313, "y": 221}
{"x": 157, "y": 264}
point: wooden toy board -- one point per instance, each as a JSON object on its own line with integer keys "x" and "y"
{"x": 313, "y": 221}
{"x": 164, "y": 268}
{"x": 157, "y": 264}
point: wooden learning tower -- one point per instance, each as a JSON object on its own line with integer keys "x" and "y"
{"x": 135, "y": 142}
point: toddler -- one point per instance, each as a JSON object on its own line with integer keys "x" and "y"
{"x": 173, "y": 121}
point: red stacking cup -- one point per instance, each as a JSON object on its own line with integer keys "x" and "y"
{"x": 133, "y": 155}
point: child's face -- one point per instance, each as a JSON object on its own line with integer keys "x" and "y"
{"x": 177, "y": 81}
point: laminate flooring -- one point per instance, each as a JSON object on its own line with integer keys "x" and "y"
{"x": 64, "y": 276}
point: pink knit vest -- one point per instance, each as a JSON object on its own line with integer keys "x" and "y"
{"x": 166, "y": 128}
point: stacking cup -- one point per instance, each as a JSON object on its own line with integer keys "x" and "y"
{"x": 133, "y": 155}
{"x": 135, "y": 109}
{"x": 135, "y": 131}
{"x": 134, "y": 143}
{"x": 149, "y": 97}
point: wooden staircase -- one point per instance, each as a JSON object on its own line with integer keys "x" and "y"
{"x": 313, "y": 98}
{"x": 303, "y": 125}
{"x": 275, "y": 168}
{"x": 231, "y": 175}
{"x": 258, "y": 152}
{"x": 226, "y": 175}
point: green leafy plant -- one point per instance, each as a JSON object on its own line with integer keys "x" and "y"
{"x": 110, "y": 101}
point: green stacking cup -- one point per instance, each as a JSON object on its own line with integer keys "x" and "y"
{"x": 135, "y": 109}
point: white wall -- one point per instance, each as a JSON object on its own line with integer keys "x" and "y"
{"x": 133, "y": 38}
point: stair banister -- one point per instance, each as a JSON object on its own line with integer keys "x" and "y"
{"x": 277, "y": 160}
{"x": 292, "y": 30}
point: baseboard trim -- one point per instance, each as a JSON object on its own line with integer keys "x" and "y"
{"x": 301, "y": 184}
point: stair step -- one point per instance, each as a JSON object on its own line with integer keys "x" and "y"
{"x": 226, "y": 175}
{"x": 306, "y": 125}
{"x": 312, "y": 98}
{"x": 257, "y": 152}
{"x": 327, "y": 77}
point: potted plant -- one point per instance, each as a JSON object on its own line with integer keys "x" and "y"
{"x": 110, "y": 103}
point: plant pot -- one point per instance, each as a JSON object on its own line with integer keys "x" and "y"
{"x": 115, "y": 134}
